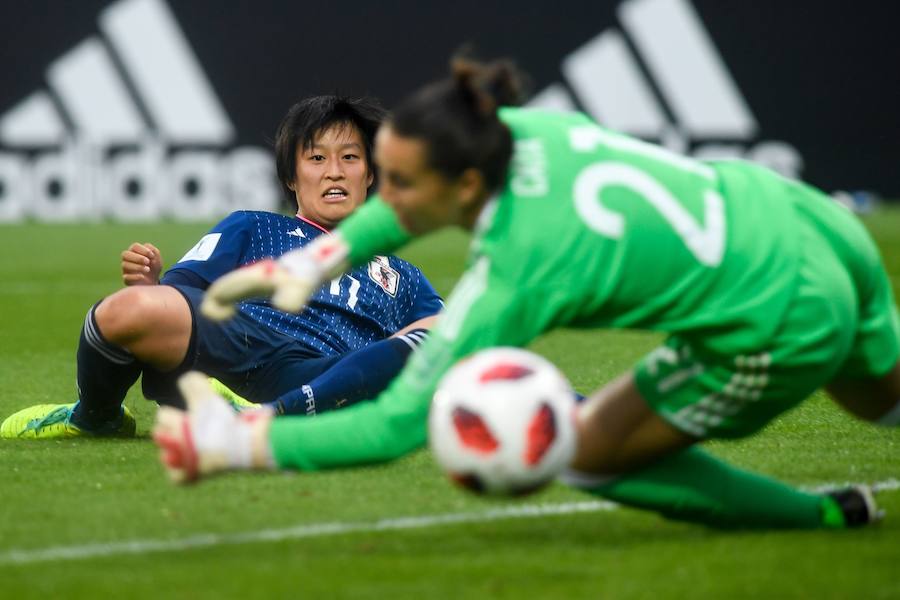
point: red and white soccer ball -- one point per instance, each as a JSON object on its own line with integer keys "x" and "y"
{"x": 503, "y": 422}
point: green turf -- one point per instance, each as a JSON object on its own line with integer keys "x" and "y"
{"x": 65, "y": 493}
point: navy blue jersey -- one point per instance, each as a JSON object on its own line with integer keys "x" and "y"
{"x": 366, "y": 304}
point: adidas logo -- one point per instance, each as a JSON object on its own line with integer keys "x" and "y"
{"x": 663, "y": 79}
{"x": 129, "y": 128}
{"x": 297, "y": 233}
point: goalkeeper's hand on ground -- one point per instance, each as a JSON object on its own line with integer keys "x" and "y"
{"x": 290, "y": 280}
{"x": 209, "y": 437}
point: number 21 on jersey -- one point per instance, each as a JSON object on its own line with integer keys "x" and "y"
{"x": 705, "y": 241}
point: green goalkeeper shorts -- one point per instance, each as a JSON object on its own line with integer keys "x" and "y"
{"x": 842, "y": 323}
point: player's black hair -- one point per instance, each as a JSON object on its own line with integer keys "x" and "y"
{"x": 311, "y": 116}
{"x": 457, "y": 119}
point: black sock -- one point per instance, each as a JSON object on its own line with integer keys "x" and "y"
{"x": 360, "y": 375}
{"x": 105, "y": 372}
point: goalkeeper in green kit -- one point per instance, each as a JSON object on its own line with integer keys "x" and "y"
{"x": 767, "y": 289}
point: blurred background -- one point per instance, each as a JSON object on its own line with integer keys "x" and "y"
{"x": 141, "y": 110}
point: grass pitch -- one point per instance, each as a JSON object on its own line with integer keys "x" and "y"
{"x": 95, "y": 518}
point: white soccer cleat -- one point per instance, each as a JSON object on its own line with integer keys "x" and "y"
{"x": 209, "y": 437}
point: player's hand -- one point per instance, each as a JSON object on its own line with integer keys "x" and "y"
{"x": 209, "y": 437}
{"x": 290, "y": 281}
{"x": 141, "y": 264}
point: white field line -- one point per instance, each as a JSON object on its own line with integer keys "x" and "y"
{"x": 206, "y": 540}
{"x": 293, "y": 533}
{"x": 888, "y": 485}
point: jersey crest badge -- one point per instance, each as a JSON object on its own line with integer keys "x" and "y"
{"x": 381, "y": 272}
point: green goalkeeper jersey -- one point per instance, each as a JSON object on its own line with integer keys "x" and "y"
{"x": 591, "y": 229}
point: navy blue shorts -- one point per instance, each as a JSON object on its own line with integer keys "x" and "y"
{"x": 256, "y": 362}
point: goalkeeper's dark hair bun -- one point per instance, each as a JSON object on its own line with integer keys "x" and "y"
{"x": 457, "y": 118}
{"x": 490, "y": 85}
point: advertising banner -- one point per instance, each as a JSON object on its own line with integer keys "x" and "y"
{"x": 137, "y": 110}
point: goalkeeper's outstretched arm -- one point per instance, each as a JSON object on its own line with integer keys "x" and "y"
{"x": 478, "y": 315}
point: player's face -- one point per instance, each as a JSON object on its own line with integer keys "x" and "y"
{"x": 331, "y": 178}
{"x": 423, "y": 198}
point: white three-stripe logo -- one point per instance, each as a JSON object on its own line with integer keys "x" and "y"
{"x": 681, "y": 59}
{"x": 140, "y": 76}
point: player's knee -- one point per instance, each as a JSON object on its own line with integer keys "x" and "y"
{"x": 128, "y": 315}
{"x": 600, "y": 462}
{"x": 891, "y": 381}
{"x": 891, "y": 418}
{"x": 873, "y": 399}
{"x": 598, "y": 454}
{"x": 890, "y": 387}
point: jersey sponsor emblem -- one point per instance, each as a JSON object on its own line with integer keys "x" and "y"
{"x": 204, "y": 248}
{"x": 381, "y": 272}
{"x": 297, "y": 233}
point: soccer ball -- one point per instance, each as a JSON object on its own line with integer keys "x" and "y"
{"x": 503, "y": 422}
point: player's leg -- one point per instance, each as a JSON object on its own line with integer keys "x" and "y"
{"x": 630, "y": 455}
{"x": 136, "y": 326}
{"x": 253, "y": 360}
{"x": 153, "y": 323}
{"x": 868, "y": 384}
{"x": 618, "y": 432}
{"x": 359, "y": 375}
{"x": 292, "y": 383}
{"x": 875, "y": 399}
{"x": 121, "y": 334}
{"x": 687, "y": 388}
{"x": 236, "y": 352}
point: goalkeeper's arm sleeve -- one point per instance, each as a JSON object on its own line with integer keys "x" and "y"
{"x": 371, "y": 230}
{"x": 477, "y": 316}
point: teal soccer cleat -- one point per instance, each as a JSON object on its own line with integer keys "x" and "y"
{"x": 54, "y": 421}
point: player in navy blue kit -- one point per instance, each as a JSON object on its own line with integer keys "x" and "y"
{"x": 346, "y": 347}
{"x": 364, "y": 306}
